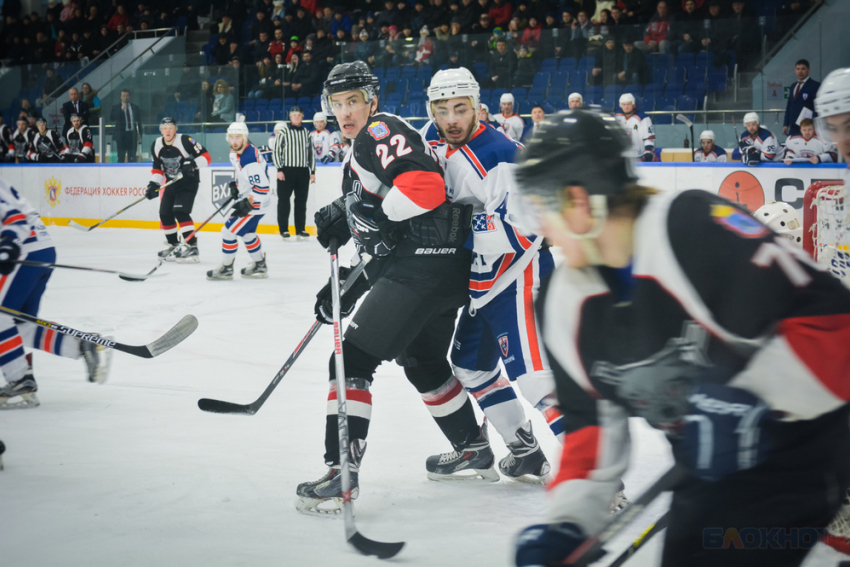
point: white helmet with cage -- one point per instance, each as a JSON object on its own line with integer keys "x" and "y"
{"x": 237, "y": 129}
{"x": 782, "y": 219}
{"x": 451, "y": 83}
{"x": 833, "y": 98}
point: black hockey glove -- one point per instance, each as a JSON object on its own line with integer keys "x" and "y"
{"x": 152, "y": 191}
{"x": 188, "y": 168}
{"x": 9, "y": 252}
{"x": 752, "y": 157}
{"x": 242, "y": 208}
{"x": 80, "y": 159}
{"x": 722, "y": 432}
{"x": 234, "y": 189}
{"x": 648, "y": 156}
{"x": 326, "y": 159}
{"x": 324, "y": 301}
{"x": 332, "y": 222}
{"x": 547, "y": 544}
{"x": 371, "y": 227}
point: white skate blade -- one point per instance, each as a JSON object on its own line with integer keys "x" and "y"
{"x": 219, "y": 278}
{"x": 189, "y": 260}
{"x": 481, "y": 475}
{"x": 24, "y": 401}
{"x": 319, "y": 506}
{"x": 261, "y": 276}
{"x": 531, "y": 479}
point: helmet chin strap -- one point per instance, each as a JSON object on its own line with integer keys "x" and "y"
{"x": 599, "y": 212}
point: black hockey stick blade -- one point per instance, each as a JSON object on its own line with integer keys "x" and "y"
{"x": 178, "y": 333}
{"x": 379, "y": 549}
{"x": 659, "y": 526}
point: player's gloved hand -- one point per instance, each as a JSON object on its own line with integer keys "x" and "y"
{"x": 152, "y": 191}
{"x": 10, "y": 156}
{"x": 242, "y": 208}
{"x": 648, "y": 156}
{"x": 80, "y": 159}
{"x": 722, "y": 432}
{"x": 369, "y": 225}
{"x": 188, "y": 168}
{"x": 752, "y": 157}
{"x": 234, "y": 189}
{"x": 547, "y": 544}
{"x": 326, "y": 159}
{"x": 9, "y": 252}
{"x": 332, "y": 222}
{"x": 324, "y": 301}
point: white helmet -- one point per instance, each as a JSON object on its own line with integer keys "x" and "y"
{"x": 278, "y": 126}
{"x": 237, "y": 129}
{"x": 751, "y": 117}
{"x": 707, "y": 135}
{"x": 783, "y": 219}
{"x": 833, "y": 98}
{"x": 627, "y": 97}
{"x": 506, "y": 97}
{"x": 451, "y": 83}
{"x": 320, "y": 117}
{"x": 576, "y": 95}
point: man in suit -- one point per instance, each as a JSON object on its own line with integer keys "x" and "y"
{"x": 75, "y": 106}
{"x": 801, "y": 96}
{"x": 127, "y": 120}
{"x": 537, "y": 116}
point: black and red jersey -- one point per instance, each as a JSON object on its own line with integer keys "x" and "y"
{"x": 20, "y": 143}
{"x": 8, "y": 148}
{"x": 712, "y": 296}
{"x": 46, "y": 147}
{"x": 80, "y": 142}
{"x": 167, "y": 158}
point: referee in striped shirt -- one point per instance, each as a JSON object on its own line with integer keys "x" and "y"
{"x": 295, "y": 161}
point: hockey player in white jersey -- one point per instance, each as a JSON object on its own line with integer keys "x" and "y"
{"x": 833, "y": 121}
{"x": 757, "y": 144}
{"x": 327, "y": 144}
{"x": 808, "y": 147}
{"x": 638, "y": 127}
{"x": 507, "y": 268}
{"x": 24, "y": 237}
{"x": 251, "y": 192}
{"x": 708, "y": 150}
{"x": 682, "y": 309}
{"x": 508, "y": 119}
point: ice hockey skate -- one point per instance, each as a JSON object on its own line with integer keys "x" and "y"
{"x": 168, "y": 253}
{"x": 187, "y": 255}
{"x": 302, "y": 236}
{"x": 19, "y": 394}
{"x": 324, "y": 496}
{"x": 526, "y": 461}
{"x": 256, "y": 270}
{"x": 223, "y": 272}
{"x": 98, "y": 361}
{"x": 473, "y": 461}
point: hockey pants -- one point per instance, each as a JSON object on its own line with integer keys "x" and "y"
{"x": 246, "y": 229}
{"x": 175, "y": 210}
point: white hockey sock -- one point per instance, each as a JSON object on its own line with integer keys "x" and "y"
{"x": 496, "y": 398}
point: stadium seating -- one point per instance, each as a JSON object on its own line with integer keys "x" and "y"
{"x": 549, "y": 66}
{"x": 541, "y": 80}
{"x": 568, "y": 64}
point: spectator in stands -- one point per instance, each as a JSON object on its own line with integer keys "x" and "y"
{"x": 607, "y": 65}
{"x": 523, "y": 15}
{"x": 119, "y": 17}
{"x": 531, "y": 35}
{"x": 261, "y": 47}
{"x": 575, "y": 100}
{"x": 603, "y": 24}
{"x": 500, "y": 13}
{"x": 126, "y": 118}
{"x": 537, "y": 116}
{"x": 266, "y": 72}
{"x": 684, "y": 33}
{"x": 89, "y": 96}
{"x": 325, "y": 20}
{"x": 365, "y": 50}
{"x": 277, "y": 45}
{"x": 221, "y": 51}
{"x": 306, "y": 81}
{"x": 635, "y": 70}
{"x": 51, "y": 83}
{"x": 437, "y": 14}
{"x": 223, "y": 107}
{"x": 526, "y": 67}
{"x": 290, "y": 71}
{"x": 341, "y": 21}
{"x": 74, "y": 106}
{"x": 323, "y": 48}
{"x": 655, "y": 38}
{"x": 581, "y": 31}
{"x": 235, "y": 49}
{"x": 425, "y": 50}
{"x": 294, "y": 47}
{"x": 225, "y": 26}
{"x": 42, "y": 49}
{"x": 301, "y": 25}
{"x": 419, "y": 17}
{"x": 744, "y": 36}
{"x": 259, "y": 26}
{"x": 443, "y": 33}
{"x": 801, "y": 99}
{"x": 502, "y": 66}
{"x": 27, "y": 108}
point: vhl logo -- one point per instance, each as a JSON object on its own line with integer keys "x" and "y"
{"x": 503, "y": 344}
{"x": 221, "y": 179}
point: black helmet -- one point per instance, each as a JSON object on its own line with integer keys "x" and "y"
{"x": 575, "y": 147}
{"x": 168, "y": 120}
{"x": 349, "y": 77}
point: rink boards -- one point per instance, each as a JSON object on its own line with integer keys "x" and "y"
{"x": 90, "y": 193}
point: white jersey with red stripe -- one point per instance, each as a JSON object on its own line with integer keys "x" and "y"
{"x": 765, "y": 142}
{"x": 717, "y": 154}
{"x": 480, "y": 173}
{"x": 512, "y": 125}
{"x": 639, "y": 128}
{"x": 252, "y": 177}
{"x": 326, "y": 143}
{"x": 712, "y": 297}
{"x": 21, "y": 221}
{"x": 799, "y": 148}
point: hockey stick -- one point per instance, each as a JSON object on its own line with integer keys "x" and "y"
{"x": 220, "y": 406}
{"x": 123, "y": 275}
{"x": 659, "y": 526}
{"x": 360, "y": 542}
{"x": 684, "y": 120}
{"x": 185, "y": 327}
{"x": 78, "y": 226}
{"x": 592, "y": 548}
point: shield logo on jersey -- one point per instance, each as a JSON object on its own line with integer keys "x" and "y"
{"x": 378, "y": 130}
{"x": 738, "y": 221}
{"x": 483, "y": 222}
{"x": 805, "y": 96}
{"x": 503, "y": 345}
{"x": 52, "y": 189}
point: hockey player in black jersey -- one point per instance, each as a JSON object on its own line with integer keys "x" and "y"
{"x": 684, "y": 310}
{"x": 79, "y": 143}
{"x": 174, "y": 154}
{"x": 20, "y": 141}
{"x": 45, "y": 145}
{"x": 7, "y": 148}
{"x": 394, "y": 206}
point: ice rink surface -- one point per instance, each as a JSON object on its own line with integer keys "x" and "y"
{"x": 132, "y": 473}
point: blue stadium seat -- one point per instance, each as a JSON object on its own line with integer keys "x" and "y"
{"x": 404, "y": 111}
{"x": 663, "y": 118}
{"x": 424, "y": 73}
{"x": 558, "y": 85}
{"x": 634, "y": 89}
{"x": 673, "y": 90}
{"x": 549, "y": 65}
{"x": 391, "y": 109}
{"x": 685, "y": 60}
{"x": 593, "y": 94}
{"x": 394, "y": 99}
{"x": 536, "y": 94}
{"x": 568, "y": 64}
{"x": 408, "y": 72}
{"x": 608, "y": 104}
{"x": 717, "y": 79}
{"x": 317, "y": 102}
{"x": 276, "y": 104}
{"x": 415, "y": 96}
{"x": 401, "y": 87}
{"x": 520, "y": 94}
{"x": 685, "y": 102}
{"x": 252, "y": 116}
{"x": 653, "y": 90}
{"x": 548, "y": 108}
{"x": 697, "y": 72}
{"x": 563, "y": 105}
{"x": 484, "y": 94}
{"x": 578, "y": 79}
{"x": 257, "y": 128}
{"x": 387, "y": 88}
{"x": 304, "y": 102}
{"x": 646, "y": 104}
{"x": 261, "y": 104}
{"x": 289, "y": 102}
{"x": 267, "y": 116}
{"x": 659, "y": 75}
{"x": 393, "y": 74}
{"x": 612, "y": 92}
{"x": 379, "y": 72}
{"x": 416, "y": 85}
{"x": 555, "y": 103}
{"x": 541, "y": 80}
{"x": 705, "y": 58}
{"x": 479, "y": 68}
{"x": 660, "y": 60}
{"x": 733, "y": 60}
{"x": 414, "y": 108}
{"x": 496, "y": 95}
{"x": 586, "y": 63}
{"x": 246, "y": 105}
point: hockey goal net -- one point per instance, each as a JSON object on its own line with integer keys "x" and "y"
{"x": 826, "y": 226}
